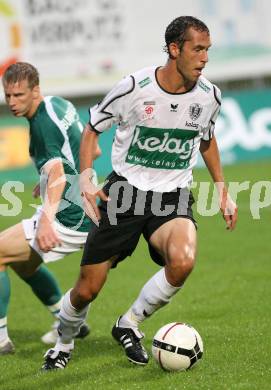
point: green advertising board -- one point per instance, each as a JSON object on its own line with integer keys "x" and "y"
{"x": 243, "y": 131}
{"x": 243, "y": 128}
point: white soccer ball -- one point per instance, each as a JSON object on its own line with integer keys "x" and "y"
{"x": 177, "y": 347}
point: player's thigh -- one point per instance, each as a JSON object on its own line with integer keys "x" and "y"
{"x": 13, "y": 245}
{"x": 177, "y": 236}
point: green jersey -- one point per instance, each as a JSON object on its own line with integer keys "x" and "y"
{"x": 55, "y": 132}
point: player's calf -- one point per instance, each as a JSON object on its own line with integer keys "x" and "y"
{"x": 179, "y": 265}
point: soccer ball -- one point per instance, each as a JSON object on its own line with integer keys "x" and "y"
{"x": 177, "y": 347}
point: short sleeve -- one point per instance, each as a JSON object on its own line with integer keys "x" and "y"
{"x": 111, "y": 109}
{"x": 46, "y": 143}
{"x": 209, "y": 132}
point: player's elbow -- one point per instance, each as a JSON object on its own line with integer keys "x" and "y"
{"x": 97, "y": 152}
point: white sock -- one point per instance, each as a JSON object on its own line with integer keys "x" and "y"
{"x": 63, "y": 347}
{"x": 55, "y": 309}
{"x": 70, "y": 322}
{"x": 156, "y": 293}
{"x": 3, "y": 330}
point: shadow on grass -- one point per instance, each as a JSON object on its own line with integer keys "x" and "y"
{"x": 96, "y": 362}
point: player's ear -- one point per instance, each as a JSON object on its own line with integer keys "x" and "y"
{"x": 36, "y": 91}
{"x": 174, "y": 50}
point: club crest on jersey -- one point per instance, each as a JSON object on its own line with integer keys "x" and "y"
{"x": 195, "y": 110}
{"x": 148, "y": 113}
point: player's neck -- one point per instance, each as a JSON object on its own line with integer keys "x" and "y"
{"x": 34, "y": 107}
{"x": 171, "y": 81}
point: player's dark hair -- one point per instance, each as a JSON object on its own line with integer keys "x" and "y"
{"x": 177, "y": 29}
{"x": 21, "y": 71}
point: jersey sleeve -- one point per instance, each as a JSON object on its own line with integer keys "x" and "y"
{"x": 112, "y": 108}
{"x": 209, "y": 132}
{"x": 49, "y": 142}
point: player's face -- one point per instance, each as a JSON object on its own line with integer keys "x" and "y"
{"x": 21, "y": 99}
{"x": 193, "y": 56}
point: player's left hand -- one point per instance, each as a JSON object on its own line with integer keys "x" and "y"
{"x": 46, "y": 236}
{"x": 229, "y": 210}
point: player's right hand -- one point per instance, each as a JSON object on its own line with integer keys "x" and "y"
{"x": 90, "y": 204}
{"x": 90, "y": 191}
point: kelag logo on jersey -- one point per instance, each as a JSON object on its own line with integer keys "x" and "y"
{"x": 161, "y": 148}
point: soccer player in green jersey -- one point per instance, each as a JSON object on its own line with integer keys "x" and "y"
{"x": 59, "y": 226}
{"x": 165, "y": 117}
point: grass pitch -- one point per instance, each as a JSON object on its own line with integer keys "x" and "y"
{"x": 227, "y": 299}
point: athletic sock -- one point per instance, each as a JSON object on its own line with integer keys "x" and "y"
{"x": 3, "y": 330}
{"x": 55, "y": 309}
{"x": 156, "y": 293}
{"x": 44, "y": 285}
{"x": 70, "y": 322}
{"x": 4, "y": 301}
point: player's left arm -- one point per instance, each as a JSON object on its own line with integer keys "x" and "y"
{"x": 47, "y": 237}
{"x": 210, "y": 154}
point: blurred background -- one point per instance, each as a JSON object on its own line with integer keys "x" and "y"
{"x": 82, "y": 47}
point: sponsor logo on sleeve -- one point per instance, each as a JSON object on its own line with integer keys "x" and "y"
{"x": 203, "y": 86}
{"x": 144, "y": 82}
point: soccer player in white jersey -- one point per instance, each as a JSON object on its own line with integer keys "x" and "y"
{"x": 165, "y": 116}
{"x": 60, "y": 226}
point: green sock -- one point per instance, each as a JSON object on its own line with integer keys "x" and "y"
{"x": 4, "y": 301}
{"x": 45, "y": 287}
{"x": 4, "y": 293}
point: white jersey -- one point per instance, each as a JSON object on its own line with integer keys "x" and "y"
{"x": 158, "y": 133}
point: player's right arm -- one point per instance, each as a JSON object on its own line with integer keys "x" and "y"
{"x": 89, "y": 150}
{"x": 111, "y": 110}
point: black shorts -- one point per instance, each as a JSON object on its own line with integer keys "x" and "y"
{"x": 130, "y": 213}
